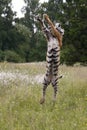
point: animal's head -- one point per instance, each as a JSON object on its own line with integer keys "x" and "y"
{"x": 58, "y": 27}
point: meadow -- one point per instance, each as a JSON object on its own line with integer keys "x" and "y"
{"x": 21, "y": 90}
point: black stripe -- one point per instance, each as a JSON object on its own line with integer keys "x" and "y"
{"x": 60, "y": 76}
{"x": 44, "y": 29}
{"x": 49, "y": 56}
{"x": 50, "y": 51}
{"x": 47, "y": 74}
{"x": 55, "y": 83}
{"x": 56, "y": 79}
{"x": 55, "y": 74}
{"x": 55, "y": 48}
{"x": 56, "y": 66}
{"x": 49, "y": 61}
{"x": 55, "y": 51}
{"x": 55, "y": 56}
{"x": 49, "y": 66}
{"x": 45, "y": 81}
{"x": 45, "y": 84}
{"x": 56, "y": 69}
{"x": 55, "y": 62}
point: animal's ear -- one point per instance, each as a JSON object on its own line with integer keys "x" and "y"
{"x": 57, "y": 25}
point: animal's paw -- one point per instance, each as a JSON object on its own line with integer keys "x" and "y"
{"x": 42, "y": 100}
{"x": 45, "y": 16}
{"x": 38, "y": 17}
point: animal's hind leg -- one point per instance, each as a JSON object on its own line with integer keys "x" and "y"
{"x": 46, "y": 82}
{"x": 44, "y": 94}
{"x": 55, "y": 87}
{"x": 48, "y": 76}
{"x": 55, "y": 80}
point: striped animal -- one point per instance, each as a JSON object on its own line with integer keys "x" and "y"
{"x": 54, "y": 39}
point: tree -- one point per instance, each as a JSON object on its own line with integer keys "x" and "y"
{"x": 76, "y": 29}
{"x": 36, "y": 40}
{"x": 24, "y": 38}
{"x": 14, "y": 38}
{"x": 6, "y": 18}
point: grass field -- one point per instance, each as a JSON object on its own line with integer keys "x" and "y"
{"x": 21, "y": 90}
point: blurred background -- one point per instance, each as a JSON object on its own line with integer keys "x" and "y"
{"x": 21, "y": 38}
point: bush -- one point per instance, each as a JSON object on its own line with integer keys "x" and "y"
{"x": 1, "y": 55}
{"x": 69, "y": 55}
{"x": 12, "y": 56}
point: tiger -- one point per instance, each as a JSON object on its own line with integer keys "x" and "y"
{"x": 54, "y": 35}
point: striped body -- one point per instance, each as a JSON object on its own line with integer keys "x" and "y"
{"x": 53, "y": 61}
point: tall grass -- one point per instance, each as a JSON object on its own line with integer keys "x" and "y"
{"x": 20, "y": 92}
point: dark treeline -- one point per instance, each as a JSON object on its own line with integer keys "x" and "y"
{"x": 21, "y": 39}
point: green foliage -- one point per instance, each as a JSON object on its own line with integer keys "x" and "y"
{"x": 25, "y": 38}
{"x": 11, "y": 56}
{"x": 76, "y": 29}
{"x": 68, "y": 55}
{"x": 1, "y": 55}
{"x": 39, "y": 52}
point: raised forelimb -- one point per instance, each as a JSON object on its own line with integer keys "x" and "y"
{"x": 55, "y": 31}
{"x": 40, "y": 20}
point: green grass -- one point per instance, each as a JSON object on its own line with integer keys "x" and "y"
{"x": 19, "y": 100}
